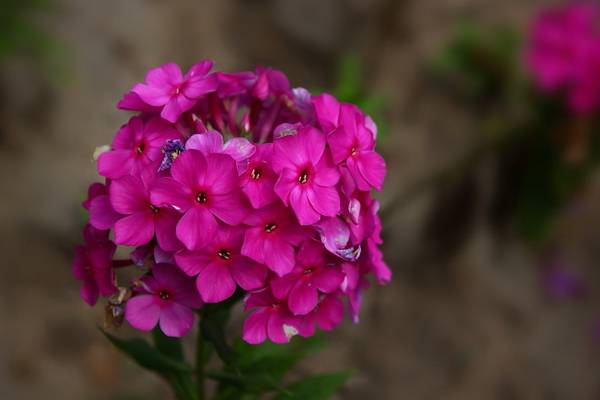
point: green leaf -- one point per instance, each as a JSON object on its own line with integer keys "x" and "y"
{"x": 147, "y": 356}
{"x": 316, "y": 387}
{"x": 169, "y": 346}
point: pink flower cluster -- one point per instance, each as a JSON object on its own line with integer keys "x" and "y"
{"x": 564, "y": 53}
{"x": 235, "y": 181}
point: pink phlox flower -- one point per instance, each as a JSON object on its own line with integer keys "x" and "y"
{"x": 270, "y": 319}
{"x": 258, "y": 179}
{"x": 271, "y": 236}
{"x": 167, "y": 297}
{"x": 353, "y": 144}
{"x": 135, "y": 146}
{"x": 93, "y": 265}
{"x": 130, "y": 196}
{"x": 314, "y": 273}
{"x": 168, "y": 88}
{"x": 202, "y": 188}
{"x": 307, "y": 177}
{"x": 220, "y": 266}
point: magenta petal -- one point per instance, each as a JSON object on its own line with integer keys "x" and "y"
{"x": 207, "y": 142}
{"x": 176, "y": 320}
{"x": 115, "y": 164}
{"x": 255, "y": 327}
{"x": 303, "y": 298}
{"x": 215, "y": 283}
{"x": 165, "y": 225}
{"x": 254, "y": 244}
{"x": 196, "y": 228}
{"x": 277, "y": 326}
{"x": 191, "y": 262}
{"x": 279, "y": 256}
{"x": 189, "y": 169}
{"x": 328, "y": 279}
{"x": 142, "y": 312}
{"x": 340, "y": 145}
{"x": 102, "y": 215}
{"x": 304, "y": 211}
{"x": 260, "y": 192}
{"x": 89, "y": 292}
{"x": 169, "y": 192}
{"x": 287, "y": 181}
{"x": 230, "y": 208}
{"x": 248, "y": 274}
{"x": 239, "y": 148}
{"x": 220, "y": 173}
{"x": 128, "y": 195}
{"x": 372, "y": 167}
{"x": 327, "y": 109}
{"x": 324, "y": 200}
{"x": 135, "y": 230}
{"x": 198, "y": 87}
{"x": 330, "y": 313}
{"x": 281, "y": 286}
{"x": 151, "y": 95}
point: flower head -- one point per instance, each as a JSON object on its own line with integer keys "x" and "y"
{"x": 229, "y": 183}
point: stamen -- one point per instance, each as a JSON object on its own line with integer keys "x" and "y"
{"x": 255, "y": 173}
{"x": 224, "y": 254}
{"x": 303, "y": 177}
{"x": 164, "y": 295}
{"x": 154, "y": 209}
{"x": 353, "y": 152}
{"x": 140, "y": 148}
{"x": 270, "y": 227}
{"x": 201, "y": 198}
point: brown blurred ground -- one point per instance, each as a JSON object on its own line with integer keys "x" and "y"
{"x": 465, "y": 317}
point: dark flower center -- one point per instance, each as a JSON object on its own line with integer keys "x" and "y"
{"x": 255, "y": 173}
{"x": 303, "y": 177}
{"x": 270, "y": 227}
{"x": 309, "y": 270}
{"x": 201, "y": 197}
{"x": 140, "y": 148}
{"x": 353, "y": 152}
{"x": 224, "y": 254}
{"x": 154, "y": 209}
{"x": 164, "y": 295}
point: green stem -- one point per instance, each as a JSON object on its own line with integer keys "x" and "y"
{"x": 200, "y": 359}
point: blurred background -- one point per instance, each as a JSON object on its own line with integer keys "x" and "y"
{"x": 491, "y": 230}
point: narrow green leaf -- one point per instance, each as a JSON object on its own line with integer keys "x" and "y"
{"x": 316, "y": 387}
{"x": 147, "y": 356}
{"x": 169, "y": 346}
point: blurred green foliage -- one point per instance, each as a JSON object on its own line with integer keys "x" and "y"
{"x": 22, "y": 34}
{"x": 246, "y": 371}
{"x": 529, "y": 133}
